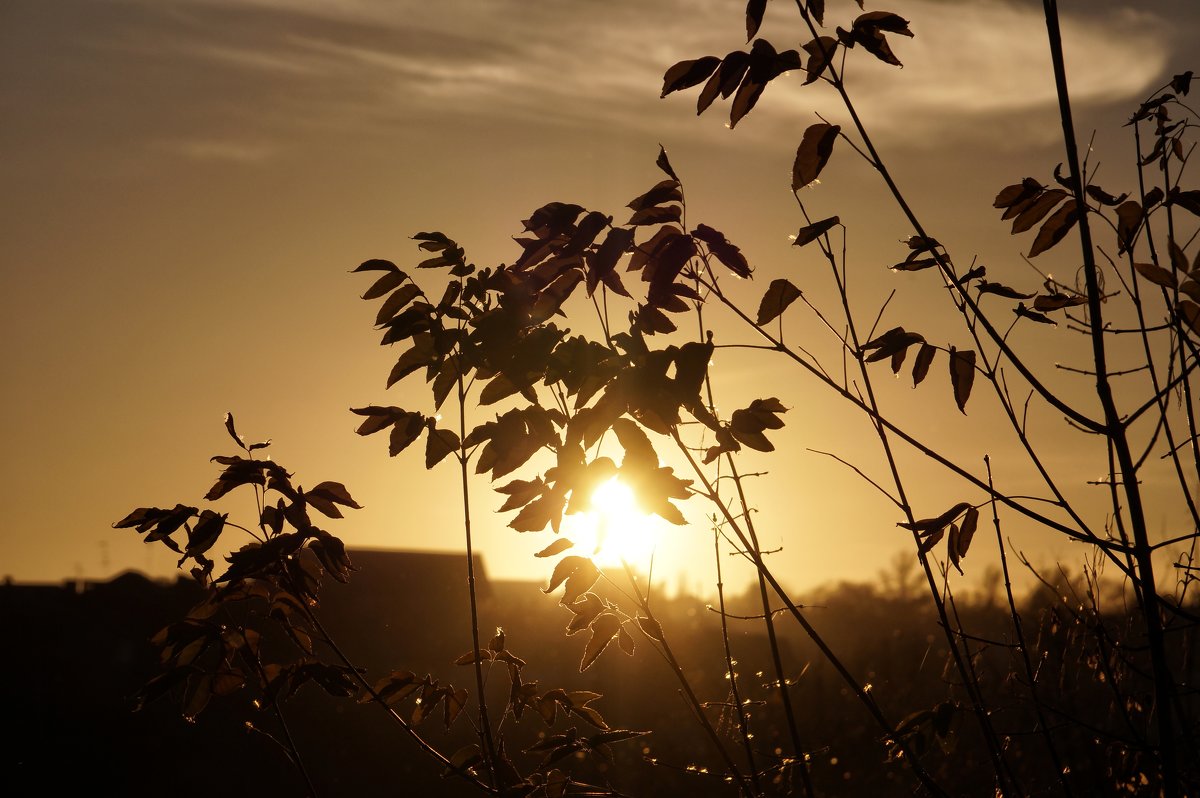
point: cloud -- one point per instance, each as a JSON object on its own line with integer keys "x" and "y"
{"x": 227, "y": 151}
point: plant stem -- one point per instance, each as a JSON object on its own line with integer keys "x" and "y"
{"x": 1115, "y": 429}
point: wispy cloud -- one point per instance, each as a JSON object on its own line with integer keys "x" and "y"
{"x": 227, "y": 151}
{"x": 602, "y": 62}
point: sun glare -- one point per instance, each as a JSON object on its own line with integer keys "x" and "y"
{"x": 615, "y": 529}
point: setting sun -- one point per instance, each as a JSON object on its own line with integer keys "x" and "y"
{"x": 615, "y": 527}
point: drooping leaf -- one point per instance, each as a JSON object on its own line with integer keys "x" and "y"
{"x": 405, "y": 432}
{"x": 725, "y": 80}
{"x": 563, "y": 569}
{"x": 812, "y": 232}
{"x": 1129, "y": 221}
{"x": 325, "y": 497}
{"x": 628, "y": 644}
{"x": 1188, "y": 200}
{"x": 604, "y": 629}
{"x": 727, "y": 253}
{"x": 962, "y": 375}
{"x": 1024, "y": 312}
{"x": 922, "y": 362}
{"x": 1037, "y": 210}
{"x": 889, "y": 343}
{"x": 813, "y": 153}
{"x": 779, "y": 295}
{"x": 927, "y": 525}
{"x": 747, "y": 424}
{"x": 439, "y": 444}
{"x": 651, "y": 627}
{"x": 1000, "y": 290}
{"x": 754, "y": 17}
{"x": 204, "y": 534}
{"x": 1057, "y": 300}
{"x": 821, "y": 51}
{"x": 664, "y": 191}
{"x": 689, "y": 73}
{"x": 1055, "y": 228}
{"x": 586, "y": 608}
{"x": 233, "y": 432}
{"x": 557, "y": 547}
{"x": 385, "y": 284}
{"x": 1182, "y": 82}
{"x": 663, "y": 163}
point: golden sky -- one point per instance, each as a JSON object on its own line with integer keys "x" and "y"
{"x": 184, "y": 185}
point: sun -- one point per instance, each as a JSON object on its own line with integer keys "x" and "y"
{"x": 615, "y": 529}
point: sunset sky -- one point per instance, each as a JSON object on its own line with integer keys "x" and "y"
{"x": 184, "y": 185}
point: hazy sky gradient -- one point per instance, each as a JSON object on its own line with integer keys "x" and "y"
{"x": 185, "y": 183}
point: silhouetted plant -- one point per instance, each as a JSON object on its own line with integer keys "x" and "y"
{"x": 488, "y": 337}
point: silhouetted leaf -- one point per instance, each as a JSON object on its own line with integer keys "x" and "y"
{"x": 233, "y": 432}
{"x": 204, "y": 534}
{"x": 775, "y": 301}
{"x": 656, "y": 215}
{"x": 812, "y": 232}
{"x": 585, "y": 609}
{"x": 376, "y": 265}
{"x": 813, "y": 153}
{"x": 1025, "y": 312}
{"x": 651, "y": 627}
{"x": 665, "y": 191}
{"x": 1014, "y": 195}
{"x": 396, "y": 302}
{"x": 538, "y": 513}
{"x": 922, "y": 362}
{"x": 927, "y": 525}
{"x": 754, "y": 17}
{"x": 1037, "y": 210}
{"x": 1000, "y": 290}
{"x": 914, "y": 264}
{"x": 1189, "y": 313}
{"x": 327, "y": 495}
{"x": 962, "y": 375}
{"x": 889, "y": 343}
{"x": 1182, "y": 82}
{"x": 406, "y": 430}
{"x": 1178, "y": 259}
{"x": 727, "y": 253}
{"x": 1104, "y": 198}
{"x": 868, "y": 30}
{"x": 454, "y": 703}
{"x": 628, "y": 644}
{"x": 439, "y": 444}
{"x": 603, "y": 261}
{"x": 747, "y": 424}
{"x": 971, "y": 274}
{"x": 1129, "y": 221}
{"x": 385, "y": 284}
{"x": 725, "y": 80}
{"x": 1057, "y": 301}
{"x": 604, "y": 629}
{"x": 1055, "y": 228}
{"x": 967, "y": 531}
{"x": 565, "y": 567}
{"x": 663, "y": 163}
{"x": 689, "y": 73}
{"x": 1188, "y": 200}
{"x": 580, "y": 580}
{"x": 462, "y": 760}
{"x": 557, "y": 547}
{"x": 821, "y": 51}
